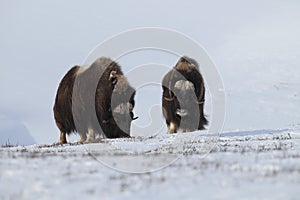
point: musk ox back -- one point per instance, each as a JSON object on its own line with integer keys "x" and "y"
{"x": 84, "y": 103}
{"x": 183, "y": 97}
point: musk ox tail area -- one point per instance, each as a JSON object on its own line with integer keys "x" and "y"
{"x": 183, "y": 97}
{"x": 63, "y": 104}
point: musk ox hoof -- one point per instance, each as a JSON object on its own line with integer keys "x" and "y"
{"x": 89, "y": 141}
{"x": 183, "y": 130}
{"x": 82, "y": 138}
{"x": 62, "y": 142}
{"x": 97, "y": 140}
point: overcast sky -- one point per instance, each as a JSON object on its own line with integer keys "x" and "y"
{"x": 255, "y": 45}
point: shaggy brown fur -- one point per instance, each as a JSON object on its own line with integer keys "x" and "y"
{"x": 184, "y": 82}
{"x": 63, "y": 105}
{"x": 83, "y": 102}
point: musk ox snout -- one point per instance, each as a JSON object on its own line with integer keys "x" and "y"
{"x": 185, "y": 92}
{"x": 122, "y": 116}
{"x": 182, "y": 112}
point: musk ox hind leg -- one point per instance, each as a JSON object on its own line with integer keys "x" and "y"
{"x": 203, "y": 121}
{"x": 62, "y": 109}
{"x": 62, "y": 138}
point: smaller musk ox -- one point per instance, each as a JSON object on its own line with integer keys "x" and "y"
{"x": 94, "y": 100}
{"x": 183, "y": 97}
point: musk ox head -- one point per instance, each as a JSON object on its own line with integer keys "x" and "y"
{"x": 122, "y": 102}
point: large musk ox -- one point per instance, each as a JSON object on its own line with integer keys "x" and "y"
{"x": 183, "y": 97}
{"x": 94, "y": 100}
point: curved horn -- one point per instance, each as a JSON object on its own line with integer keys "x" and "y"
{"x": 134, "y": 118}
{"x": 169, "y": 99}
{"x": 113, "y": 77}
{"x": 200, "y": 102}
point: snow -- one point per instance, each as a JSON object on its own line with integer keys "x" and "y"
{"x": 260, "y": 164}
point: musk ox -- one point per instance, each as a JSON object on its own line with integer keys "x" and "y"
{"x": 183, "y": 97}
{"x": 94, "y": 100}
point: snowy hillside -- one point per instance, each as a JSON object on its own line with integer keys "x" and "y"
{"x": 241, "y": 165}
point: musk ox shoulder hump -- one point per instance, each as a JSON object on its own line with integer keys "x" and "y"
{"x": 187, "y": 63}
{"x": 81, "y": 70}
{"x": 70, "y": 75}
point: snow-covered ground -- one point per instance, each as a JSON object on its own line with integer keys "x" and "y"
{"x": 262, "y": 164}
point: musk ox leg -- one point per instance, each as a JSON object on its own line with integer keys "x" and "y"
{"x": 184, "y": 130}
{"x": 91, "y": 135}
{"x": 172, "y": 128}
{"x": 181, "y": 130}
{"x": 62, "y": 138}
{"x": 82, "y": 137}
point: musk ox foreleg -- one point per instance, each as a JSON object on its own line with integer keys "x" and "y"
{"x": 91, "y": 135}
{"x": 172, "y": 127}
{"x": 82, "y": 137}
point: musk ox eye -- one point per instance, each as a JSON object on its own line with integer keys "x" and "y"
{"x": 130, "y": 107}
